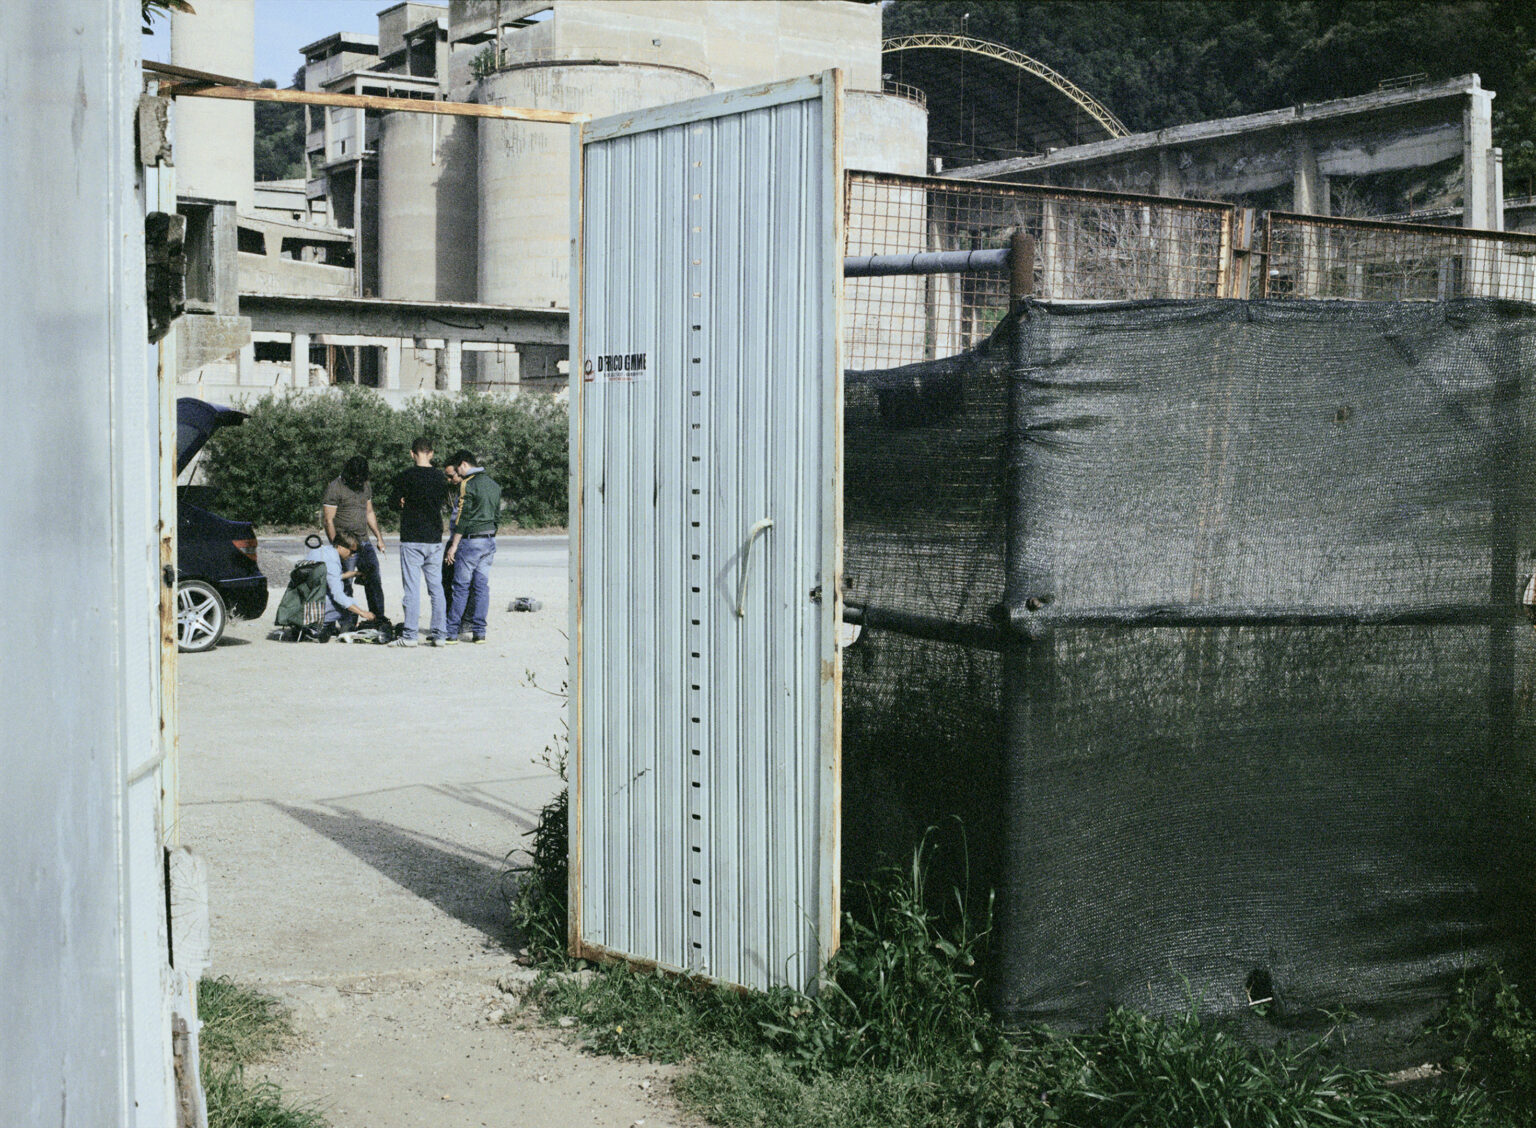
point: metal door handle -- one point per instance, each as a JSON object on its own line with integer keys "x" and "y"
{"x": 756, "y": 531}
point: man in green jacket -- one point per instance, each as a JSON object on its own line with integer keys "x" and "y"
{"x": 472, "y": 548}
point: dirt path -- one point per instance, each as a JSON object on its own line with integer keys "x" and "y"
{"x": 356, "y": 805}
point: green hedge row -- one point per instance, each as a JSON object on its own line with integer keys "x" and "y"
{"x": 273, "y": 469}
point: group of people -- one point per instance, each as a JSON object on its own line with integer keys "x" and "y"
{"x": 423, "y": 494}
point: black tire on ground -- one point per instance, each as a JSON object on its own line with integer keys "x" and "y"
{"x": 200, "y": 616}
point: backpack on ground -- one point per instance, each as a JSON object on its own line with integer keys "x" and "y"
{"x": 303, "y": 604}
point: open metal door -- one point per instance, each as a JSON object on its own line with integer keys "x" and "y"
{"x": 706, "y": 393}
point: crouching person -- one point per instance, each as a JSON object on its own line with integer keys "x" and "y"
{"x": 341, "y": 613}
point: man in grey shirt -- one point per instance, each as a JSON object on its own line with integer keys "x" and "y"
{"x": 347, "y": 507}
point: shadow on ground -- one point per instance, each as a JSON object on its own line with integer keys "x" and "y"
{"x": 470, "y": 889}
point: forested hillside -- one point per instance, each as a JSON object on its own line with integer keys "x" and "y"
{"x": 1157, "y": 63}
{"x": 280, "y": 136}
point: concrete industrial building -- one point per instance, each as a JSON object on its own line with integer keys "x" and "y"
{"x": 1296, "y": 151}
{"x": 448, "y": 237}
{"x": 468, "y": 218}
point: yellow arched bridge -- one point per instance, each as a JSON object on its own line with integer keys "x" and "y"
{"x": 987, "y": 101}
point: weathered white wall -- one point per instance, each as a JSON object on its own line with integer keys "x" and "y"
{"x": 84, "y": 1037}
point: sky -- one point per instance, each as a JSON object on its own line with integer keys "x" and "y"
{"x": 282, "y": 27}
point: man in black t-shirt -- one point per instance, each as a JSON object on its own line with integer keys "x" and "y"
{"x": 420, "y": 494}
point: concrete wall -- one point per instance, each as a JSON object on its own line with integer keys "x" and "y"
{"x": 268, "y": 378}
{"x": 884, "y": 133}
{"x": 395, "y": 21}
{"x": 317, "y": 74}
{"x": 428, "y": 216}
{"x": 525, "y": 171}
{"x": 268, "y": 274}
{"x": 215, "y": 140}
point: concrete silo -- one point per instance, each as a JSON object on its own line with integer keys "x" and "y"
{"x": 215, "y": 140}
{"x": 525, "y": 168}
{"x": 602, "y": 57}
{"x": 525, "y": 186}
{"x": 428, "y": 217}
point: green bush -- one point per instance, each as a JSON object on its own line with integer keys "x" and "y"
{"x": 273, "y": 470}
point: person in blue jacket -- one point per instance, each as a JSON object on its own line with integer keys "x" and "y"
{"x": 341, "y": 612}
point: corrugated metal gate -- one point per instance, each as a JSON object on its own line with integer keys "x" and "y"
{"x": 707, "y": 388}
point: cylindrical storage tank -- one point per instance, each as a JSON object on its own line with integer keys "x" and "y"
{"x": 889, "y": 321}
{"x": 428, "y": 215}
{"x": 525, "y": 169}
{"x": 215, "y": 139}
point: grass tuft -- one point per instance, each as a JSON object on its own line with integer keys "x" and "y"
{"x": 241, "y": 1026}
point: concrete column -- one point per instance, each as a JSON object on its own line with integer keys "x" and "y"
{"x": 1049, "y": 250}
{"x": 392, "y": 363}
{"x": 1496, "y": 183}
{"x": 450, "y": 368}
{"x": 1476, "y": 168}
{"x": 1309, "y": 196}
{"x": 1169, "y": 182}
{"x": 1495, "y": 265}
{"x": 1309, "y": 187}
{"x": 245, "y": 365}
{"x": 299, "y": 361}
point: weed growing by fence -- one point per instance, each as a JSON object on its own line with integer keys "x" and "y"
{"x": 537, "y": 901}
{"x": 1491, "y": 1032}
{"x": 899, "y": 1034}
{"x": 241, "y": 1026}
{"x": 273, "y": 469}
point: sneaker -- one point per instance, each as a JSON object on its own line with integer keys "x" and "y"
{"x": 447, "y": 642}
{"x": 403, "y": 641}
{"x": 478, "y": 638}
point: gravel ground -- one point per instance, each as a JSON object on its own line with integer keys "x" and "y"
{"x": 357, "y": 806}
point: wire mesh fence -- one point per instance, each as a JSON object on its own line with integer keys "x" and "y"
{"x": 1370, "y": 260}
{"x": 1089, "y": 246}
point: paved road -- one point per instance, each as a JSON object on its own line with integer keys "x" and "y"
{"x": 357, "y": 806}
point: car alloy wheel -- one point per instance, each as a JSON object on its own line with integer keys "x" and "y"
{"x": 200, "y": 616}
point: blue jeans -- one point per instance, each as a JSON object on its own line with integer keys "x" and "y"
{"x": 418, "y": 559}
{"x": 366, "y": 563}
{"x": 471, "y": 585}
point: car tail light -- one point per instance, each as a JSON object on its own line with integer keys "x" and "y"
{"x": 247, "y": 546}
